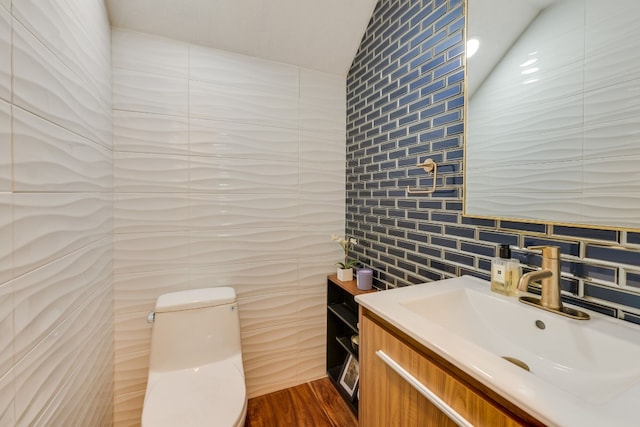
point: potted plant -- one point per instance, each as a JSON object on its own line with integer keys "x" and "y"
{"x": 345, "y": 268}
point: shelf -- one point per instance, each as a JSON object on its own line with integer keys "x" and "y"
{"x": 345, "y": 342}
{"x": 334, "y": 376}
{"x": 342, "y": 323}
{"x": 347, "y": 316}
{"x": 351, "y": 287}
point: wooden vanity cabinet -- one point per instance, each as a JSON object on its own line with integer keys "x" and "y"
{"x": 387, "y": 399}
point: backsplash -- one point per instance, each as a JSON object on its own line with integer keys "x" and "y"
{"x": 405, "y": 103}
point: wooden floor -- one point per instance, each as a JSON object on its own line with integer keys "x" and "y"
{"x": 314, "y": 404}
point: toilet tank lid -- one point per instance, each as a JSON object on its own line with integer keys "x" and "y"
{"x": 195, "y": 298}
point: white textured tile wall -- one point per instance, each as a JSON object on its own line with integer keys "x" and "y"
{"x": 5, "y": 54}
{"x": 56, "y": 216}
{"x": 232, "y": 174}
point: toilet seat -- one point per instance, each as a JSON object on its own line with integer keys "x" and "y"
{"x": 209, "y": 395}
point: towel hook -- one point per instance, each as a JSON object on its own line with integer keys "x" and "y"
{"x": 429, "y": 166}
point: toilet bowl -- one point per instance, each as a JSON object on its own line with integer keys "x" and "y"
{"x": 196, "y": 377}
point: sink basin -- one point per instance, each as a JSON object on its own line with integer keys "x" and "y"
{"x": 595, "y": 361}
{"x": 582, "y": 373}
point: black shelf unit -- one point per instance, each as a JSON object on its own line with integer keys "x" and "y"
{"x": 342, "y": 324}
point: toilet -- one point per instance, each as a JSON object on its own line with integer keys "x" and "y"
{"x": 196, "y": 377}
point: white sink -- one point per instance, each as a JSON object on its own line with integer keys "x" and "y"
{"x": 592, "y": 366}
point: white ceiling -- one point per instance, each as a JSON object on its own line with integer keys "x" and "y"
{"x": 497, "y": 24}
{"x": 318, "y": 34}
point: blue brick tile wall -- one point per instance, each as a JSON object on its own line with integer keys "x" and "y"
{"x": 405, "y": 103}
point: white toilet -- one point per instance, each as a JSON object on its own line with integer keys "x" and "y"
{"x": 196, "y": 377}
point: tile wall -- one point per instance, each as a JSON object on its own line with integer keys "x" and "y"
{"x": 228, "y": 171}
{"x": 404, "y": 104}
{"x": 56, "y": 287}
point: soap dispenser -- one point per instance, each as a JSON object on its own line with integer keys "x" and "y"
{"x": 505, "y": 272}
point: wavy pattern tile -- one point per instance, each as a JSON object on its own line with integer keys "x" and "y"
{"x": 606, "y": 60}
{"x": 490, "y": 148}
{"x": 311, "y": 365}
{"x": 149, "y": 93}
{"x": 132, "y": 333}
{"x": 549, "y": 177}
{"x": 45, "y": 86}
{"x": 142, "y": 252}
{"x": 229, "y": 211}
{"x": 260, "y": 345}
{"x": 5, "y": 54}
{"x": 6, "y": 237}
{"x": 597, "y": 206}
{"x": 149, "y": 54}
{"x": 7, "y": 409}
{"x": 46, "y": 297}
{"x": 150, "y": 133}
{"x": 246, "y": 245}
{"x": 240, "y": 71}
{"x": 50, "y": 158}
{"x": 50, "y": 370}
{"x": 312, "y": 336}
{"x": 6, "y": 330}
{"x": 620, "y": 137}
{"x": 557, "y": 206}
{"x": 137, "y": 293}
{"x": 321, "y": 210}
{"x": 150, "y": 212}
{"x": 312, "y": 304}
{"x": 50, "y": 226}
{"x": 265, "y": 311}
{"x": 241, "y": 140}
{"x": 248, "y": 279}
{"x": 93, "y": 17}
{"x": 56, "y": 219}
{"x": 219, "y": 102}
{"x": 317, "y": 248}
{"x": 271, "y": 375}
{"x": 5, "y": 147}
{"x": 322, "y": 96}
{"x": 612, "y": 175}
{"x": 130, "y": 373}
{"x": 71, "y": 407}
{"x": 127, "y": 410}
{"x": 613, "y": 103}
{"x": 56, "y": 26}
{"x": 153, "y": 173}
{"x": 211, "y": 174}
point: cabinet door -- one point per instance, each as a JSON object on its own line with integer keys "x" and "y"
{"x": 388, "y": 399}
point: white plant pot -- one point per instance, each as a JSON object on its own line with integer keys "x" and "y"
{"x": 345, "y": 274}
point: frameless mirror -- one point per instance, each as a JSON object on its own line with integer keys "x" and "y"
{"x": 553, "y": 112}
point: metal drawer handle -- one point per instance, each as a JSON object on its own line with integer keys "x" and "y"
{"x": 423, "y": 390}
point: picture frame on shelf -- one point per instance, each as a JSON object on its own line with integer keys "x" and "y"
{"x": 350, "y": 375}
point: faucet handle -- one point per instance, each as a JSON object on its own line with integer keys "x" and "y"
{"x": 552, "y": 252}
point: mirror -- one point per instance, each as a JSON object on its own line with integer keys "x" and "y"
{"x": 553, "y": 112}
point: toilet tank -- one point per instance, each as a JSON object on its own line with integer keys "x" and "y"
{"x": 194, "y": 328}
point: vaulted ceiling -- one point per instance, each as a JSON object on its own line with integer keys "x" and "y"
{"x": 318, "y": 34}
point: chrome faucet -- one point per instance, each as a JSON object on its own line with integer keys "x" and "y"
{"x": 549, "y": 277}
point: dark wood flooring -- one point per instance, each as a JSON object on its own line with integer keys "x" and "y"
{"x": 314, "y": 404}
